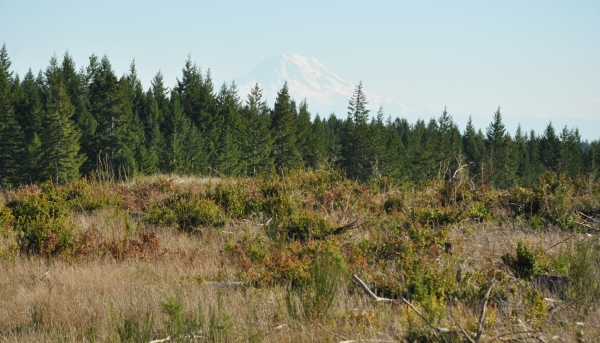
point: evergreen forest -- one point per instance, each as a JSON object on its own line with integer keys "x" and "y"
{"x": 65, "y": 123}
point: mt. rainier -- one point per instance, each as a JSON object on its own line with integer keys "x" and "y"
{"x": 325, "y": 92}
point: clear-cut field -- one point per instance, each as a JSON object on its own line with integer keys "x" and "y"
{"x": 139, "y": 261}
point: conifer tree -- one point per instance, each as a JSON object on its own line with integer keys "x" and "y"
{"x": 317, "y": 156}
{"x": 137, "y": 98}
{"x": 60, "y": 137}
{"x": 533, "y": 149}
{"x": 549, "y": 148}
{"x": 303, "y": 134}
{"x": 10, "y": 131}
{"x": 378, "y": 147}
{"x": 33, "y": 168}
{"x": 136, "y": 101}
{"x": 415, "y": 151}
{"x": 154, "y": 155}
{"x": 434, "y": 167}
{"x": 28, "y": 111}
{"x": 334, "y": 131}
{"x": 283, "y": 128}
{"x": 190, "y": 90}
{"x": 257, "y": 145}
{"x": 184, "y": 144}
{"x": 524, "y": 168}
{"x": 472, "y": 148}
{"x": 496, "y": 144}
{"x": 570, "y": 155}
{"x": 392, "y": 160}
{"x": 508, "y": 163}
{"x": 227, "y": 155}
{"x": 108, "y": 106}
{"x": 450, "y": 143}
{"x": 208, "y": 119}
{"x": 358, "y": 145}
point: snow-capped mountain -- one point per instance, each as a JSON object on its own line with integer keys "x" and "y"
{"x": 307, "y": 78}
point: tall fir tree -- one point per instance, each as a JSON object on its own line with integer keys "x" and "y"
{"x": 303, "y": 134}
{"x": 392, "y": 161}
{"x": 524, "y": 168}
{"x": 155, "y": 154}
{"x": 258, "y": 144}
{"x": 59, "y": 137}
{"x": 10, "y": 132}
{"x": 190, "y": 90}
{"x": 334, "y": 131}
{"x": 184, "y": 144}
{"x": 496, "y": 148}
{"x": 317, "y": 155}
{"x": 283, "y": 128}
{"x": 473, "y": 148}
{"x": 227, "y": 155}
{"x": 29, "y": 110}
{"x": 378, "y": 148}
{"x": 357, "y": 143}
{"x": 549, "y": 148}
{"x": 108, "y": 108}
{"x": 570, "y": 156}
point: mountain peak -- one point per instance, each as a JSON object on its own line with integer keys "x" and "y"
{"x": 307, "y": 78}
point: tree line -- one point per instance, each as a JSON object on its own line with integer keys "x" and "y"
{"x": 65, "y": 123}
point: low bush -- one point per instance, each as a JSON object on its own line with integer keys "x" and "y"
{"x": 42, "y": 223}
{"x": 393, "y": 204}
{"x": 584, "y": 273}
{"x": 315, "y": 297}
{"x": 188, "y": 211}
{"x": 527, "y": 262}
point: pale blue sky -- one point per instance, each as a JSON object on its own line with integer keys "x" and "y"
{"x": 534, "y": 58}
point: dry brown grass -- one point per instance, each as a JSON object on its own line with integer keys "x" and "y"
{"x": 124, "y": 271}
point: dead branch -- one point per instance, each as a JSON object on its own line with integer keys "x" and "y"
{"x": 486, "y": 297}
{"x": 335, "y": 334}
{"x": 561, "y": 242}
{"x": 339, "y": 230}
{"x": 387, "y": 300}
{"x": 369, "y": 292}
{"x": 464, "y": 332}
{"x": 505, "y": 336}
{"x": 590, "y": 218}
{"x": 435, "y": 328}
{"x": 584, "y": 225}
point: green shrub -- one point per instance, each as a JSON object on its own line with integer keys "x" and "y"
{"x": 393, "y": 204}
{"x": 231, "y": 196}
{"x": 186, "y": 210}
{"x": 439, "y": 216}
{"x": 584, "y": 273}
{"x": 527, "y": 262}
{"x": 307, "y": 226}
{"x": 481, "y": 212}
{"x": 83, "y": 195}
{"x": 193, "y": 213}
{"x": 42, "y": 224}
{"x": 158, "y": 214}
{"x": 315, "y": 298}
